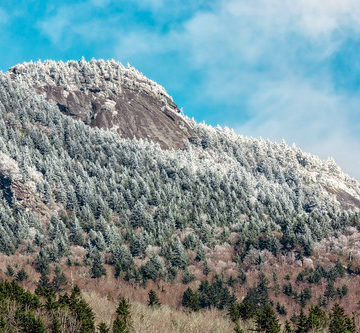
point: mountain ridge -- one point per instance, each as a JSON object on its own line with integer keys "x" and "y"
{"x": 111, "y": 96}
{"x": 80, "y": 90}
{"x": 209, "y": 204}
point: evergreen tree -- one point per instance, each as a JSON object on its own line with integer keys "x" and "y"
{"x": 59, "y": 280}
{"x": 153, "y": 299}
{"x": 178, "y": 255}
{"x": 97, "y": 269}
{"x": 190, "y": 300}
{"x": 10, "y": 271}
{"x": 259, "y": 295}
{"x": 302, "y": 323}
{"x": 317, "y": 318}
{"x": 266, "y": 320}
{"x": 339, "y": 321}
{"x": 280, "y": 309}
{"x": 42, "y": 262}
{"x": 206, "y": 268}
{"x": 187, "y": 277}
{"x": 153, "y": 269}
{"x": 76, "y": 233}
{"x": 21, "y": 275}
{"x": 287, "y": 327}
{"x": 121, "y": 258}
{"x": 122, "y": 323}
{"x": 234, "y": 312}
{"x": 237, "y": 329}
{"x": 103, "y": 328}
{"x": 247, "y": 310}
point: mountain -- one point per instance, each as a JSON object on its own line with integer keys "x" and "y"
{"x": 110, "y": 96}
{"x": 99, "y": 168}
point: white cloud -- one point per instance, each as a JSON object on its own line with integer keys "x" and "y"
{"x": 4, "y": 17}
{"x": 270, "y": 56}
{"x": 151, "y": 4}
{"x": 54, "y": 27}
{"x": 316, "y": 119}
{"x": 100, "y": 3}
{"x": 71, "y": 22}
{"x": 322, "y": 18}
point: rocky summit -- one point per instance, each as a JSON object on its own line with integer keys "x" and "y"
{"x": 110, "y": 96}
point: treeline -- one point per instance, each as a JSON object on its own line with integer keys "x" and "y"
{"x": 316, "y": 320}
{"x": 258, "y": 308}
{"x": 49, "y": 310}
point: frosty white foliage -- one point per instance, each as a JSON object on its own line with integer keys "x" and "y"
{"x": 9, "y": 166}
{"x": 110, "y": 76}
{"x": 267, "y": 197}
{"x": 346, "y": 245}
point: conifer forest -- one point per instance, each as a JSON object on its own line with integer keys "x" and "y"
{"x": 119, "y": 220}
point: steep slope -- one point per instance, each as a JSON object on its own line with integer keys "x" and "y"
{"x": 223, "y": 202}
{"x": 110, "y": 96}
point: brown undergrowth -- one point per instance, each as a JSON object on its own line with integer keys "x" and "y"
{"x": 102, "y": 294}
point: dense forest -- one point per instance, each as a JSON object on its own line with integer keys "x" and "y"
{"x": 50, "y": 310}
{"x": 155, "y": 214}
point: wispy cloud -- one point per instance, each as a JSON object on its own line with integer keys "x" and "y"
{"x": 271, "y": 66}
{"x": 272, "y": 56}
{"x": 4, "y": 17}
{"x": 100, "y": 3}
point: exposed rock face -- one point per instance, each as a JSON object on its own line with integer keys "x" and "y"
{"x": 308, "y": 263}
{"x": 12, "y": 187}
{"x": 108, "y": 95}
{"x": 117, "y": 98}
{"x": 346, "y": 200}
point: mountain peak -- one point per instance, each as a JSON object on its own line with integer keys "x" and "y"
{"x": 108, "y": 95}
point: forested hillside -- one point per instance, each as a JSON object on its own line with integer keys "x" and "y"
{"x": 220, "y": 203}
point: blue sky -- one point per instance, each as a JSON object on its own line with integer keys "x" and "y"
{"x": 271, "y": 68}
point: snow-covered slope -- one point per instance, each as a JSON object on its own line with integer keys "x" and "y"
{"x": 216, "y": 188}
{"x": 108, "y": 95}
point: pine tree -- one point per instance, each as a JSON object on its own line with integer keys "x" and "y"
{"x": 153, "y": 299}
{"x": 119, "y": 326}
{"x": 206, "y": 268}
{"x": 237, "y": 329}
{"x": 178, "y": 255}
{"x": 121, "y": 258}
{"x": 187, "y": 277}
{"x": 153, "y": 269}
{"x": 42, "y": 262}
{"x": 247, "y": 310}
{"x": 339, "y": 321}
{"x": 317, "y": 318}
{"x": 76, "y": 233}
{"x": 234, "y": 312}
{"x": 287, "y": 328}
{"x": 97, "y": 269}
{"x": 21, "y": 275}
{"x": 103, "y": 328}
{"x": 122, "y": 323}
{"x": 190, "y": 300}
{"x": 10, "y": 271}
{"x": 302, "y": 323}
{"x": 59, "y": 280}
{"x": 266, "y": 320}
{"x": 259, "y": 295}
{"x": 55, "y": 325}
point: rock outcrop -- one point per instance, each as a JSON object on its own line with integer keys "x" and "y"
{"x": 109, "y": 96}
